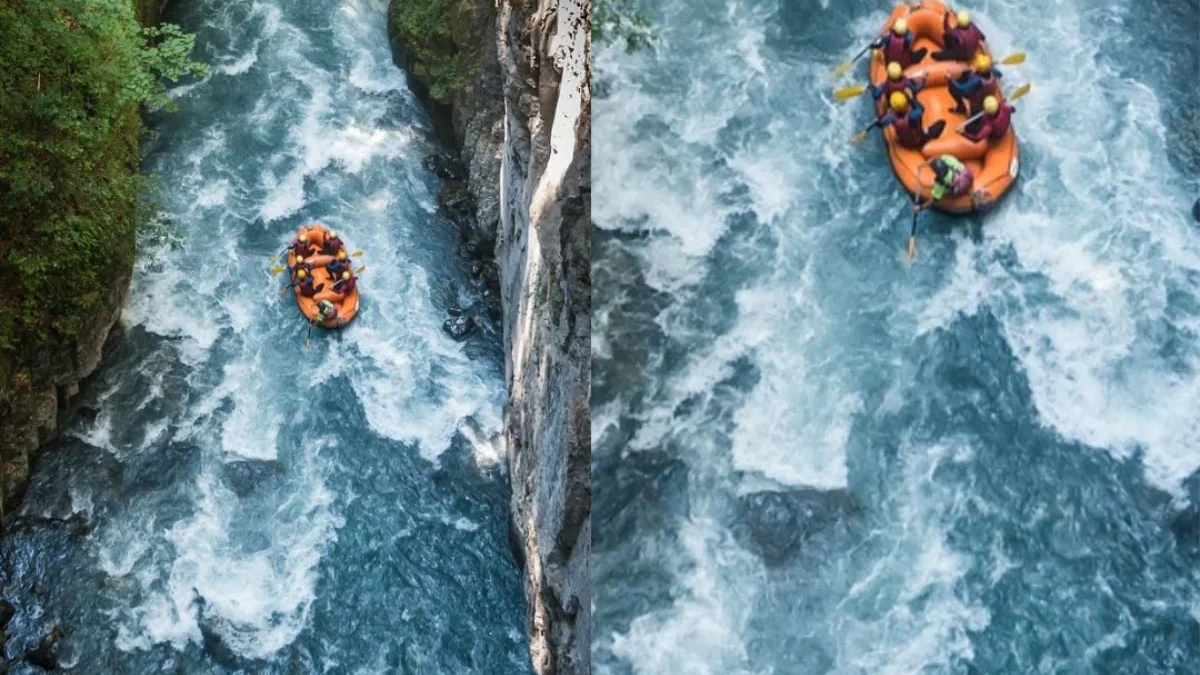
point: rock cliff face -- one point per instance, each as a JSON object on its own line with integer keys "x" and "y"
{"x": 36, "y": 395}
{"x": 523, "y": 128}
{"x": 544, "y": 253}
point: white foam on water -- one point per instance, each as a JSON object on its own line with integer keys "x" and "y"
{"x": 415, "y": 384}
{"x": 1101, "y": 245}
{"x": 908, "y": 613}
{"x": 701, "y": 632}
{"x": 241, "y": 65}
{"x": 256, "y": 602}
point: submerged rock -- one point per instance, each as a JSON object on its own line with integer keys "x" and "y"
{"x": 777, "y": 523}
{"x": 244, "y": 477}
{"x": 1196, "y": 210}
{"x": 460, "y": 326}
{"x": 6, "y": 613}
{"x": 46, "y": 656}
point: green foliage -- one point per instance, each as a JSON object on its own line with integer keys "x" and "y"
{"x": 618, "y": 21}
{"x": 74, "y": 75}
{"x": 428, "y": 28}
{"x": 165, "y": 55}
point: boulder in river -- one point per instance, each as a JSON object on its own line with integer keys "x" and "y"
{"x": 245, "y": 476}
{"x": 46, "y": 656}
{"x": 459, "y": 327}
{"x": 777, "y": 523}
{"x": 6, "y": 613}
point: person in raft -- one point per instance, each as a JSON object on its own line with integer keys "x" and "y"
{"x": 301, "y": 263}
{"x": 951, "y": 178}
{"x": 304, "y": 281}
{"x": 338, "y": 265}
{"x": 962, "y": 38}
{"x": 300, "y": 246}
{"x": 332, "y": 244}
{"x": 896, "y": 82}
{"x": 996, "y": 121}
{"x": 897, "y": 45}
{"x": 326, "y": 311}
{"x": 905, "y": 120}
{"x": 346, "y": 284}
{"x": 975, "y": 84}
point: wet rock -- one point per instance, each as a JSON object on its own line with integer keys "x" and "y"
{"x": 6, "y": 613}
{"x": 456, "y": 204}
{"x": 777, "y": 523}
{"x": 446, "y": 167}
{"x": 459, "y": 327}
{"x": 46, "y": 656}
{"x": 244, "y": 477}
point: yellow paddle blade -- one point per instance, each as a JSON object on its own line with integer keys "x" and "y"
{"x": 1020, "y": 91}
{"x": 357, "y": 254}
{"x": 277, "y": 269}
{"x": 912, "y": 248}
{"x": 360, "y": 270}
{"x": 307, "y": 344}
{"x": 275, "y": 258}
{"x": 842, "y": 69}
{"x": 860, "y": 137}
{"x": 847, "y": 93}
{"x": 284, "y": 290}
{"x": 1013, "y": 59}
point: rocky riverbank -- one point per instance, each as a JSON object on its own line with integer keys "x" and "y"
{"x": 521, "y": 124}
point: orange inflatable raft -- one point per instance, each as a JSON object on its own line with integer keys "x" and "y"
{"x": 994, "y": 164}
{"x": 347, "y": 305}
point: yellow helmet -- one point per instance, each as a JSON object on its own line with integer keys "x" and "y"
{"x": 898, "y": 101}
{"x": 299, "y": 260}
{"x": 345, "y": 275}
{"x": 900, "y": 27}
{"x": 332, "y": 234}
{"x": 991, "y": 105}
{"x": 303, "y": 238}
{"x": 894, "y": 71}
{"x": 983, "y": 62}
{"x": 342, "y": 255}
{"x": 964, "y": 19}
{"x": 300, "y": 274}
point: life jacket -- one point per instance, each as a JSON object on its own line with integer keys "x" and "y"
{"x": 964, "y": 42}
{"x": 306, "y": 287}
{"x": 335, "y": 268}
{"x": 345, "y": 285}
{"x": 332, "y": 246}
{"x": 957, "y": 179}
{"x": 908, "y": 132}
{"x": 896, "y": 48}
{"x": 969, "y": 40}
{"x": 989, "y": 85}
{"x": 889, "y": 87}
{"x": 997, "y": 125}
{"x": 326, "y": 310}
{"x": 300, "y": 248}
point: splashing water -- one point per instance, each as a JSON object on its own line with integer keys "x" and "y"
{"x": 228, "y": 501}
{"x": 1011, "y": 419}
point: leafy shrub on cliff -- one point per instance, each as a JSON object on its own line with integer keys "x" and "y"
{"x": 439, "y": 35}
{"x": 75, "y": 73}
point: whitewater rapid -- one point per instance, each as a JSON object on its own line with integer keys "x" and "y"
{"x": 248, "y": 503}
{"x": 996, "y": 409}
